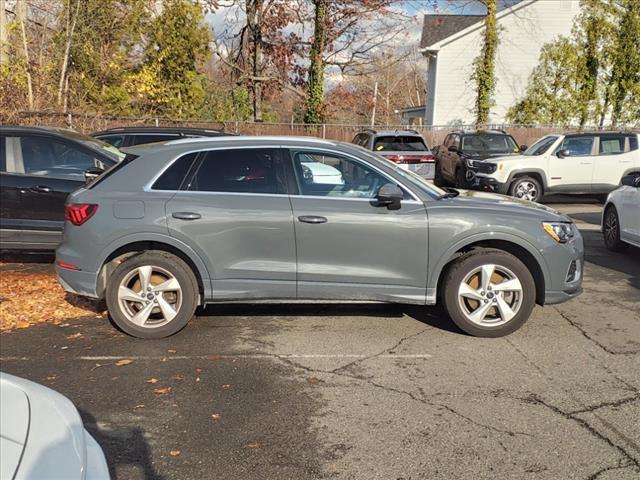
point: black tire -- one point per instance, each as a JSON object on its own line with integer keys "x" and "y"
{"x": 464, "y": 266}
{"x": 527, "y": 188}
{"x": 188, "y": 294}
{"x": 461, "y": 181}
{"x": 611, "y": 230}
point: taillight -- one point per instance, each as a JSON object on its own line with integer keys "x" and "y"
{"x": 78, "y": 213}
{"x": 411, "y": 158}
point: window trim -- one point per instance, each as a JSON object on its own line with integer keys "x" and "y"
{"x": 288, "y": 168}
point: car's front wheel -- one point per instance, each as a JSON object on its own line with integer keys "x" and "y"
{"x": 152, "y": 295}
{"x": 489, "y": 293}
{"x": 526, "y": 188}
{"x": 611, "y": 230}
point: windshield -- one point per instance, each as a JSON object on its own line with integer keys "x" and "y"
{"x": 541, "y": 146}
{"x": 401, "y": 143}
{"x": 489, "y": 142}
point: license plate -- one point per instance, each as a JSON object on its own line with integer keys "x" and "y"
{"x": 426, "y": 170}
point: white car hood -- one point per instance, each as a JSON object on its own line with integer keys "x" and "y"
{"x": 509, "y": 158}
{"x": 42, "y": 434}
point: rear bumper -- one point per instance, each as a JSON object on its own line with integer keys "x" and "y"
{"x": 78, "y": 282}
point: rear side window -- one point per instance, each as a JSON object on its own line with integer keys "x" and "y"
{"x": 633, "y": 142}
{"x": 238, "y": 171}
{"x": 173, "y": 176}
{"x": 612, "y": 144}
{"x": 401, "y": 143}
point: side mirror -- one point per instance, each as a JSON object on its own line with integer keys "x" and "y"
{"x": 523, "y": 147}
{"x": 563, "y": 153}
{"x": 390, "y": 196}
{"x": 631, "y": 181}
{"x": 90, "y": 174}
{"x": 452, "y": 148}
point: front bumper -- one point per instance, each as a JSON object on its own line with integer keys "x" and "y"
{"x": 481, "y": 182}
{"x": 566, "y": 269}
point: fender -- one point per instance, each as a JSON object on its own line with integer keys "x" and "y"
{"x": 161, "y": 238}
{"x": 539, "y": 171}
{"x": 463, "y": 240}
{"x": 629, "y": 171}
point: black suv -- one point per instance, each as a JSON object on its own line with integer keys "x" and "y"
{"x": 39, "y": 167}
{"x": 130, "y": 136}
{"x": 461, "y": 154}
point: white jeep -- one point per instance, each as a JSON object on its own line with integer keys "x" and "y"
{"x": 581, "y": 163}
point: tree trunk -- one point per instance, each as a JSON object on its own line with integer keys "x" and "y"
{"x": 4, "y": 45}
{"x": 375, "y": 102}
{"x": 315, "y": 102}
{"x": 21, "y": 15}
{"x": 254, "y": 25}
{"x": 485, "y": 70}
{"x": 71, "y": 25}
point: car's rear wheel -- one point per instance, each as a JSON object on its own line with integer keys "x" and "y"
{"x": 489, "y": 293}
{"x": 611, "y": 230}
{"x": 526, "y": 188}
{"x": 152, "y": 295}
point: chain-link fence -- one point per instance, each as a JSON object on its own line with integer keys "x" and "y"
{"x": 434, "y": 135}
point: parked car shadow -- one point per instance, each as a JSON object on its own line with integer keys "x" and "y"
{"x": 123, "y": 446}
{"x": 592, "y": 218}
{"x": 626, "y": 262}
{"x": 434, "y": 316}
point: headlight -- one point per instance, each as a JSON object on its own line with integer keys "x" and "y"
{"x": 471, "y": 163}
{"x": 561, "y": 232}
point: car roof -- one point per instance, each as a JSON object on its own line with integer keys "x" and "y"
{"x": 480, "y": 132}
{"x": 147, "y": 129}
{"x": 203, "y": 143}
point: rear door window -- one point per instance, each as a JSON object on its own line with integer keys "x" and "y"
{"x": 400, "y": 143}
{"x": 612, "y": 144}
{"x": 239, "y": 171}
{"x": 115, "y": 140}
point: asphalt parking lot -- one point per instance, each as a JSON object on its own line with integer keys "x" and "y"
{"x": 364, "y": 391}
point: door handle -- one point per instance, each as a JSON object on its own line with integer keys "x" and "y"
{"x": 312, "y": 219}
{"x": 41, "y": 189}
{"x": 586, "y": 163}
{"x": 186, "y": 215}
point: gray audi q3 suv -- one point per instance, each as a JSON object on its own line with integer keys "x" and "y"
{"x": 198, "y": 221}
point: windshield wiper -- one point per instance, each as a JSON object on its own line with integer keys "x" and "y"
{"x": 451, "y": 192}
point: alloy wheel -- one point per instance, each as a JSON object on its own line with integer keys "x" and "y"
{"x": 526, "y": 190}
{"x": 150, "y": 296}
{"x": 490, "y": 295}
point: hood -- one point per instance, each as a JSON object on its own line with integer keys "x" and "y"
{"x": 476, "y": 199}
{"x": 509, "y": 158}
{"x": 489, "y": 155}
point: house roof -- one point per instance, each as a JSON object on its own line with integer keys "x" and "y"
{"x": 439, "y": 27}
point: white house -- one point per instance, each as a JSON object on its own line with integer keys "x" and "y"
{"x": 452, "y": 42}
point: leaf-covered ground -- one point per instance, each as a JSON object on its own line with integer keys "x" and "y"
{"x": 30, "y": 296}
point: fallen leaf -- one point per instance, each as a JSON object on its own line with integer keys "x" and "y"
{"x": 252, "y": 445}
{"x": 174, "y": 453}
{"x": 172, "y": 350}
{"x": 152, "y": 380}
{"x": 313, "y": 380}
{"x": 139, "y": 406}
{"x": 215, "y": 356}
{"x": 51, "y": 377}
{"x": 197, "y": 379}
{"x": 63, "y": 348}
{"x": 124, "y": 361}
{"x": 215, "y": 416}
{"x": 73, "y": 336}
{"x": 198, "y": 370}
{"x": 226, "y": 386}
{"x": 178, "y": 376}
{"x": 162, "y": 391}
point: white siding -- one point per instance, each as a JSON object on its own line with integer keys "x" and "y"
{"x": 522, "y": 34}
